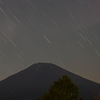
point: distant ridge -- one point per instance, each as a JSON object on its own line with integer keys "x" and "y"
{"x": 32, "y": 82}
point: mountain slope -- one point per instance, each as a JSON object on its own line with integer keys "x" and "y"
{"x": 32, "y": 82}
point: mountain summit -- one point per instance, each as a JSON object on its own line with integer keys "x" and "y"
{"x": 32, "y": 82}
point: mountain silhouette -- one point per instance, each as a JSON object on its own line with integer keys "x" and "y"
{"x": 32, "y": 82}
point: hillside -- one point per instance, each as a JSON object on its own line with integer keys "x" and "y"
{"x": 32, "y": 82}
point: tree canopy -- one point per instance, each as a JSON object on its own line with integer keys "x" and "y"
{"x": 63, "y": 89}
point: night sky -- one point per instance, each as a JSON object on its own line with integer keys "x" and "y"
{"x": 62, "y": 32}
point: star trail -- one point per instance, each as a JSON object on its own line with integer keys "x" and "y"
{"x": 62, "y": 32}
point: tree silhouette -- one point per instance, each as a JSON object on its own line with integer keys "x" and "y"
{"x": 97, "y": 97}
{"x": 63, "y": 89}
